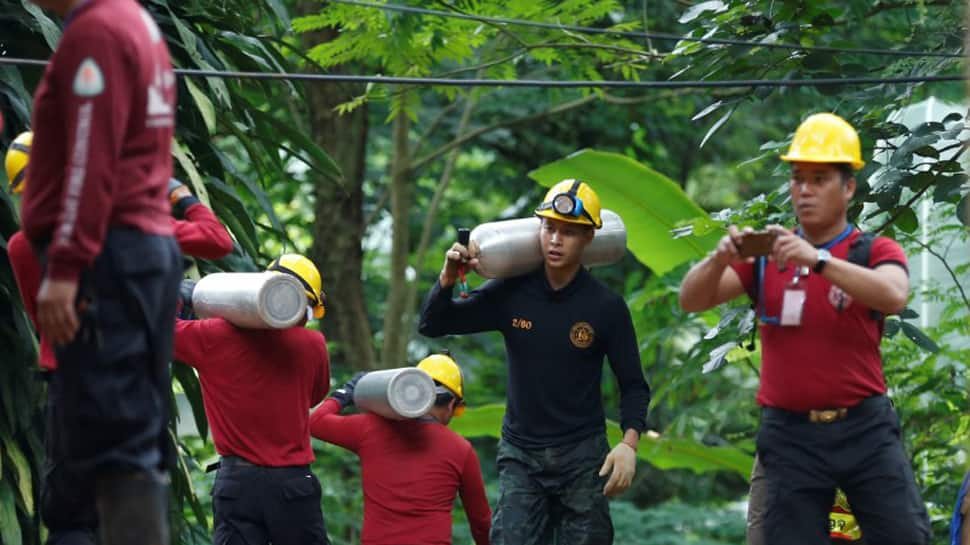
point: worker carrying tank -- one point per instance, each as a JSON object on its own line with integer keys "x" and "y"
{"x": 64, "y": 506}
{"x": 258, "y": 386}
{"x": 412, "y": 469}
{"x": 559, "y": 323}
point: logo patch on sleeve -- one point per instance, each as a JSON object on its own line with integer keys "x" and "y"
{"x": 582, "y": 335}
{"x": 88, "y": 81}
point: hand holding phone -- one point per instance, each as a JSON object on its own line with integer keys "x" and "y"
{"x": 756, "y": 243}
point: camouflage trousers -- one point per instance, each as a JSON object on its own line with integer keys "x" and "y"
{"x": 552, "y": 495}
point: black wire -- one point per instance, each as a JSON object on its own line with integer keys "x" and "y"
{"x": 568, "y": 84}
{"x": 654, "y": 35}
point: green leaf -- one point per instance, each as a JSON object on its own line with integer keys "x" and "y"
{"x": 916, "y": 335}
{"x": 718, "y": 356}
{"x": 21, "y": 467}
{"x": 650, "y": 204}
{"x": 9, "y": 525}
{"x": 204, "y": 105}
{"x": 49, "y": 29}
{"x": 907, "y": 220}
{"x": 696, "y": 10}
{"x": 317, "y": 160}
{"x": 717, "y": 125}
{"x": 193, "y": 392}
{"x": 661, "y": 451}
{"x": 185, "y": 160}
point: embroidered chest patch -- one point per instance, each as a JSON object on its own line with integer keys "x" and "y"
{"x": 582, "y": 335}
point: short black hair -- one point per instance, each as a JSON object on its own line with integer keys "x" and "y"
{"x": 845, "y": 171}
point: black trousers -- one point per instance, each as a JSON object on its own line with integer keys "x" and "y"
{"x": 863, "y": 454}
{"x": 257, "y": 505}
{"x": 108, "y": 400}
{"x": 552, "y": 495}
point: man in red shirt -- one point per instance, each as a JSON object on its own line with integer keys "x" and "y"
{"x": 826, "y": 421}
{"x": 64, "y": 506}
{"x": 96, "y": 214}
{"x": 258, "y": 386}
{"x": 197, "y": 231}
{"x": 411, "y": 469}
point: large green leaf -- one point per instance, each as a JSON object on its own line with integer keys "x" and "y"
{"x": 650, "y": 204}
{"x": 661, "y": 451}
{"x": 21, "y": 467}
{"x": 9, "y": 527}
{"x": 193, "y": 392}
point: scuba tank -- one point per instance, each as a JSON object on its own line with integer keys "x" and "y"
{"x": 397, "y": 394}
{"x": 264, "y": 300}
{"x": 511, "y": 247}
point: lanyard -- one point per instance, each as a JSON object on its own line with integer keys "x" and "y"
{"x": 774, "y": 320}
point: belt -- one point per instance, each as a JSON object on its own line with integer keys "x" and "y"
{"x": 828, "y": 416}
{"x": 229, "y": 461}
{"x": 238, "y": 461}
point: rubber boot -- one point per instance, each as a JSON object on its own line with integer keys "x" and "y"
{"x": 133, "y": 508}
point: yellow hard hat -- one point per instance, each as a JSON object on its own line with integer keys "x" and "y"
{"x": 447, "y": 374}
{"x": 16, "y": 161}
{"x": 308, "y": 275}
{"x": 825, "y": 138}
{"x": 573, "y": 201}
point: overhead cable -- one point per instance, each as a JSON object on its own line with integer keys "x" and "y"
{"x": 651, "y": 35}
{"x": 567, "y": 84}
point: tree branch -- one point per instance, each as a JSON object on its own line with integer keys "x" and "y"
{"x": 433, "y": 127}
{"x": 566, "y": 106}
{"x": 953, "y": 275}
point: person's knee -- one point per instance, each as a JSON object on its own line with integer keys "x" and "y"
{"x": 133, "y": 508}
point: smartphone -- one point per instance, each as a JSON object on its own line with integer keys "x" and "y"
{"x": 756, "y": 243}
{"x": 463, "y": 235}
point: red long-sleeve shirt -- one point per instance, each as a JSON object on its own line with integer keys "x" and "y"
{"x": 103, "y": 122}
{"x": 412, "y": 471}
{"x": 200, "y": 235}
{"x": 258, "y": 386}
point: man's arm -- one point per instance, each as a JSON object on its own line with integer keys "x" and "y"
{"x": 197, "y": 230}
{"x": 193, "y": 341}
{"x": 712, "y": 281}
{"x": 441, "y": 315}
{"x": 884, "y": 288}
{"x": 472, "y": 491}
{"x": 623, "y": 353}
{"x": 91, "y": 75}
{"x": 326, "y": 424}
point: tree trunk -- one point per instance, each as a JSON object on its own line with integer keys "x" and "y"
{"x": 395, "y": 334}
{"x": 339, "y": 219}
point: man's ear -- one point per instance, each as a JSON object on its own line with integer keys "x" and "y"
{"x": 850, "y": 187}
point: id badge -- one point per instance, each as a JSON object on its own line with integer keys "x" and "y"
{"x": 792, "y": 306}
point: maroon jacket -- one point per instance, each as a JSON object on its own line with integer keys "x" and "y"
{"x": 103, "y": 122}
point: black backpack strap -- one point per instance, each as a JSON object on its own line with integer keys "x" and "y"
{"x": 859, "y": 253}
{"x": 756, "y": 285}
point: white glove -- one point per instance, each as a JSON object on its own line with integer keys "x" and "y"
{"x": 622, "y": 460}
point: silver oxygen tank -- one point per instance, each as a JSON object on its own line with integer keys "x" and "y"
{"x": 265, "y": 300}
{"x": 397, "y": 394}
{"x": 511, "y": 247}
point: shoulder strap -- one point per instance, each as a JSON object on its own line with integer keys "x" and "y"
{"x": 756, "y": 286}
{"x": 859, "y": 253}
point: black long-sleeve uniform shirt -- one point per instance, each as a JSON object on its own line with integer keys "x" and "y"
{"x": 555, "y": 341}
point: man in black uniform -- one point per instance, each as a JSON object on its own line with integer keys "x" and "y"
{"x": 558, "y": 323}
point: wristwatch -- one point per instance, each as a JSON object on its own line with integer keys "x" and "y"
{"x": 823, "y": 258}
